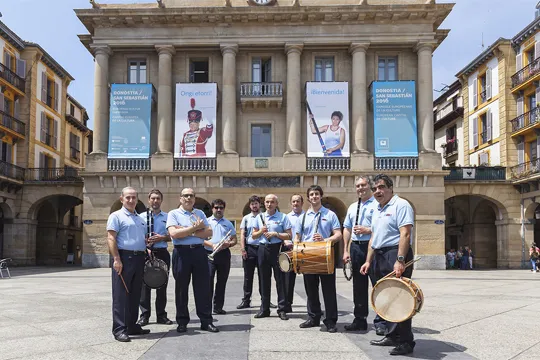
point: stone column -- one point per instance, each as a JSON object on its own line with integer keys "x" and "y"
{"x": 425, "y": 97}
{"x": 164, "y": 111}
{"x": 101, "y": 99}
{"x": 228, "y": 106}
{"x": 294, "y": 93}
{"x": 359, "y": 98}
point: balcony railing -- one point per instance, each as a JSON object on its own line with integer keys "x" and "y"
{"x": 449, "y": 108}
{"x": 53, "y": 175}
{"x": 397, "y": 164}
{"x": 328, "y": 164}
{"x": 11, "y": 171}
{"x": 483, "y": 96}
{"x": 266, "y": 89}
{"x": 129, "y": 164}
{"x": 199, "y": 164}
{"x": 451, "y": 148}
{"x": 75, "y": 154}
{"x": 528, "y": 72}
{"x": 11, "y": 77}
{"x": 525, "y": 169}
{"x": 11, "y": 123}
{"x": 529, "y": 118}
{"x": 480, "y": 173}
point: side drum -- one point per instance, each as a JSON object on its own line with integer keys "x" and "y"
{"x": 156, "y": 273}
{"x": 396, "y": 299}
{"x": 313, "y": 258}
{"x": 285, "y": 261}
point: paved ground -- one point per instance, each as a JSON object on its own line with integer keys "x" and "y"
{"x": 63, "y": 313}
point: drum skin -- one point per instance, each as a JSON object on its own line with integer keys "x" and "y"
{"x": 285, "y": 261}
{"x": 313, "y": 257}
{"x": 156, "y": 273}
{"x": 396, "y": 299}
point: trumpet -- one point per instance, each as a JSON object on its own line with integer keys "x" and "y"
{"x": 219, "y": 246}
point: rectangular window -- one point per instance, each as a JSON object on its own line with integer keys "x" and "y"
{"x": 198, "y": 71}
{"x": 71, "y": 110}
{"x": 8, "y": 106}
{"x": 9, "y": 60}
{"x": 50, "y": 93}
{"x": 533, "y": 150}
{"x": 483, "y": 134}
{"x": 261, "y": 140}
{"x": 482, "y": 91}
{"x": 6, "y": 152}
{"x": 530, "y": 56}
{"x": 137, "y": 72}
{"x": 324, "y": 69}
{"x": 75, "y": 147}
{"x": 483, "y": 158}
{"x": 387, "y": 69}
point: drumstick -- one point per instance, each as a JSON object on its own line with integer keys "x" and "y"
{"x": 355, "y": 223}
{"x": 121, "y": 277}
{"x": 317, "y": 129}
{"x": 406, "y": 266}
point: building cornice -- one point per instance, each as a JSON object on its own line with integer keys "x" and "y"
{"x": 11, "y": 37}
{"x": 526, "y": 33}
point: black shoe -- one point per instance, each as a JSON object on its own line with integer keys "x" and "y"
{"x": 209, "y": 328}
{"x": 380, "y": 331}
{"x": 262, "y": 314}
{"x": 122, "y": 337}
{"x": 402, "y": 349}
{"x": 357, "y": 325}
{"x": 219, "y": 312}
{"x": 143, "y": 321}
{"x": 140, "y": 331}
{"x": 181, "y": 328}
{"x": 385, "y": 341}
{"x": 283, "y": 316}
{"x": 309, "y": 323}
{"x": 272, "y": 306}
{"x": 244, "y": 305}
{"x": 164, "y": 321}
{"x": 288, "y": 310}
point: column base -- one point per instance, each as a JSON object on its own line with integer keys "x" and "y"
{"x": 162, "y": 162}
{"x": 96, "y": 260}
{"x": 294, "y": 162}
{"x": 362, "y": 161}
{"x": 431, "y": 262}
{"x": 228, "y": 162}
{"x": 96, "y": 162}
{"x": 429, "y": 160}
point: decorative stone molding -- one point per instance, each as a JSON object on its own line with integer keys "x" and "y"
{"x": 358, "y": 46}
{"x": 229, "y": 49}
{"x": 165, "y": 49}
{"x": 101, "y": 50}
{"x": 289, "y": 48}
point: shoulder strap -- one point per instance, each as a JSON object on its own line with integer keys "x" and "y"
{"x": 262, "y": 219}
{"x": 302, "y": 228}
{"x": 358, "y": 210}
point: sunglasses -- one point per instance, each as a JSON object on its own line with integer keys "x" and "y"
{"x": 188, "y": 196}
{"x": 219, "y": 207}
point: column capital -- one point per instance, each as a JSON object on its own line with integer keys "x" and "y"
{"x": 101, "y": 50}
{"x": 425, "y": 46}
{"x": 229, "y": 49}
{"x": 165, "y": 49}
{"x": 297, "y": 47}
{"x": 358, "y": 46}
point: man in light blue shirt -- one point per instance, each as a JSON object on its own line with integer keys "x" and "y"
{"x": 297, "y": 203}
{"x": 158, "y": 245}
{"x": 319, "y": 224}
{"x": 126, "y": 233}
{"x": 390, "y": 246}
{"x": 188, "y": 228}
{"x": 221, "y": 263}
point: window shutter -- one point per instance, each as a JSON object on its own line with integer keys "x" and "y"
{"x": 53, "y": 163}
{"x": 489, "y": 126}
{"x": 44, "y": 87}
{"x": 537, "y": 97}
{"x": 9, "y": 153}
{"x": 21, "y": 68}
{"x": 519, "y": 62}
{"x": 7, "y": 60}
{"x": 78, "y": 143}
{"x": 536, "y": 50}
{"x": 1, "y": 102}
{"x": 475, "y": 93}
{"x": 42, "y": 160}
{"x": 521, "y": 152}
{"x": 43, "y": 137}
{"x": 16, "y": 109}
{"x": 56, "y": 96}
{"x": 488, "y": 83}
{"x": 520, "y": 105}
{"x": 55, "y": 139}
{"x": 475, "y": 132}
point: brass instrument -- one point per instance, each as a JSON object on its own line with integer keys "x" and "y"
{"x": 219, "y": 246}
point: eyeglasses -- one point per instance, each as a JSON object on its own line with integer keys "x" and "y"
{"x": 219, "y": 207}
{"x": 188, "y": 196}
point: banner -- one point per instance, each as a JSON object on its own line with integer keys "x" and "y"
{"x": 195, "y": 120}
{"x": 328, "y": 119}
{"x": 394, "y": 114}
{"x": 129, "y": 120}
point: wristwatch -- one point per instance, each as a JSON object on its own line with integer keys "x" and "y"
{"x": 401, "y": 258}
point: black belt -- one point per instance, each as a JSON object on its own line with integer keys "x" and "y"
{"x": 361, "y": 241}
{"x": 159, "y": 249}
{"x": 268, "y": 244}
{"x": 132, "y": 252}
{"x": 253, "y": 245}
{"x": 192, "y": 246}
{"x": 386, "y": 249}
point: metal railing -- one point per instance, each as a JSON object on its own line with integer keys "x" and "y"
{"x": 11, "y": 77}
{"x": 52, "y": 175}
{"x": 481, "y": 173}
{"x": 525, "y": 169}
{"x": 328, "y": 164}
{"x": 525, "y": 120}
{"x": 128, "y": 164}
{"x": 448, "y": 108}
{"x": 526, "y": 73}
{"x": 11, "y": 171}
{"x": 195, "y": 164}
{"x": 11, "y": 123}
{"x": 451, "y": 148}
{"x": 396, "y": 163}
{"x": 266, "y": 89}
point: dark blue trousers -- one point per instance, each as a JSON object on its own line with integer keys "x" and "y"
{"x": 161, "y": 293}
{"x": 268, "y": 262}
{"x": 220, "y": 266}
{"x": 249, "y": 265}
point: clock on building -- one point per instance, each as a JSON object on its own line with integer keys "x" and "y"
{"x": 262, "y": 2}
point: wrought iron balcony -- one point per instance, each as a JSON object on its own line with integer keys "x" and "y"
{"x": 11, "y": 171}
{"x": 523, "y": 121}
{"x": 11, "y": 123}
{"x": 479, "y": 173}
{"x": 451, "y": 148}
{"x": 329, "y": 164}
{"x": 396, "y": 163}
{"x": 195, "y": 164}
{"x": 525, "y": 169}
{"x": 11, "y": 77}
{"x": 261, "y": 94}
{"x": 63, "y": 175}
{"x": 129, "y": 164}
{"x": 527, "y": 73}
{"x": 448, "y": 112}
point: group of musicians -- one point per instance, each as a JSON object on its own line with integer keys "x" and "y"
{"x": 377, "y": 237}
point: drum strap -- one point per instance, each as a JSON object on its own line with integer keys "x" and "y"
{"x": 358, "y": 211}
{"x": 317, "y": 219}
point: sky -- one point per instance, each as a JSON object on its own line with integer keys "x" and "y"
{"x": 470, "y": 22}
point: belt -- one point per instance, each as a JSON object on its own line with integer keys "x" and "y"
{"x": 192, "y": 246}
{"x": 361, "y": 241}
{"x": 268, "y": 244}
{"x": 160, "y": 249}
{"x": 386, "y": 249}
{"x": 254, "y": 245}
{"x": 131, "y": 252}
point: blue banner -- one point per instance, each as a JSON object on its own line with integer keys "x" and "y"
{"x": 129, "y": 122}
{"x": 394, "y": 114}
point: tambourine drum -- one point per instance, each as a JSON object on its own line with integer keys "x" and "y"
{"x": 285, "y": 261}
{"x": 396, "y": 299}
{"x": 156, "y": 273}
{"x": 313, "y": 257}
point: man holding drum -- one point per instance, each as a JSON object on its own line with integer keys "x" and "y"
{"x": 319, "y": 224}
{"x": 390, "y": 248}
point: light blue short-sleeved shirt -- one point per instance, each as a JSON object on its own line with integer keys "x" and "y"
{"x": 130, "y": 230}
{"x": 249, "y": 222}
{"x": 327, "y": 222}
{"x": 279, "y": 222}
{"x": 293, "y": 219}
{"x": 365, "y": 215}
{"x": 387, "y": 221}
{"x": 159, "y": 220}
{"x": 220, "y": 228}
{"x": 181, "y": 217}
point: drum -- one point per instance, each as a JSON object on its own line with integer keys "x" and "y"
{"x": 313, "y": 257}
{"x": 396, "y": 300}
{"x": 156, "y": 273}
{"x": 285, "y": 261}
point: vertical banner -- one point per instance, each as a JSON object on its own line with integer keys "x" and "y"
{"x": 327, "y": 106}
{"x": 129, "y": 120}
{"x": 394, "y": 114}
{"x": 196, "y": 109}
